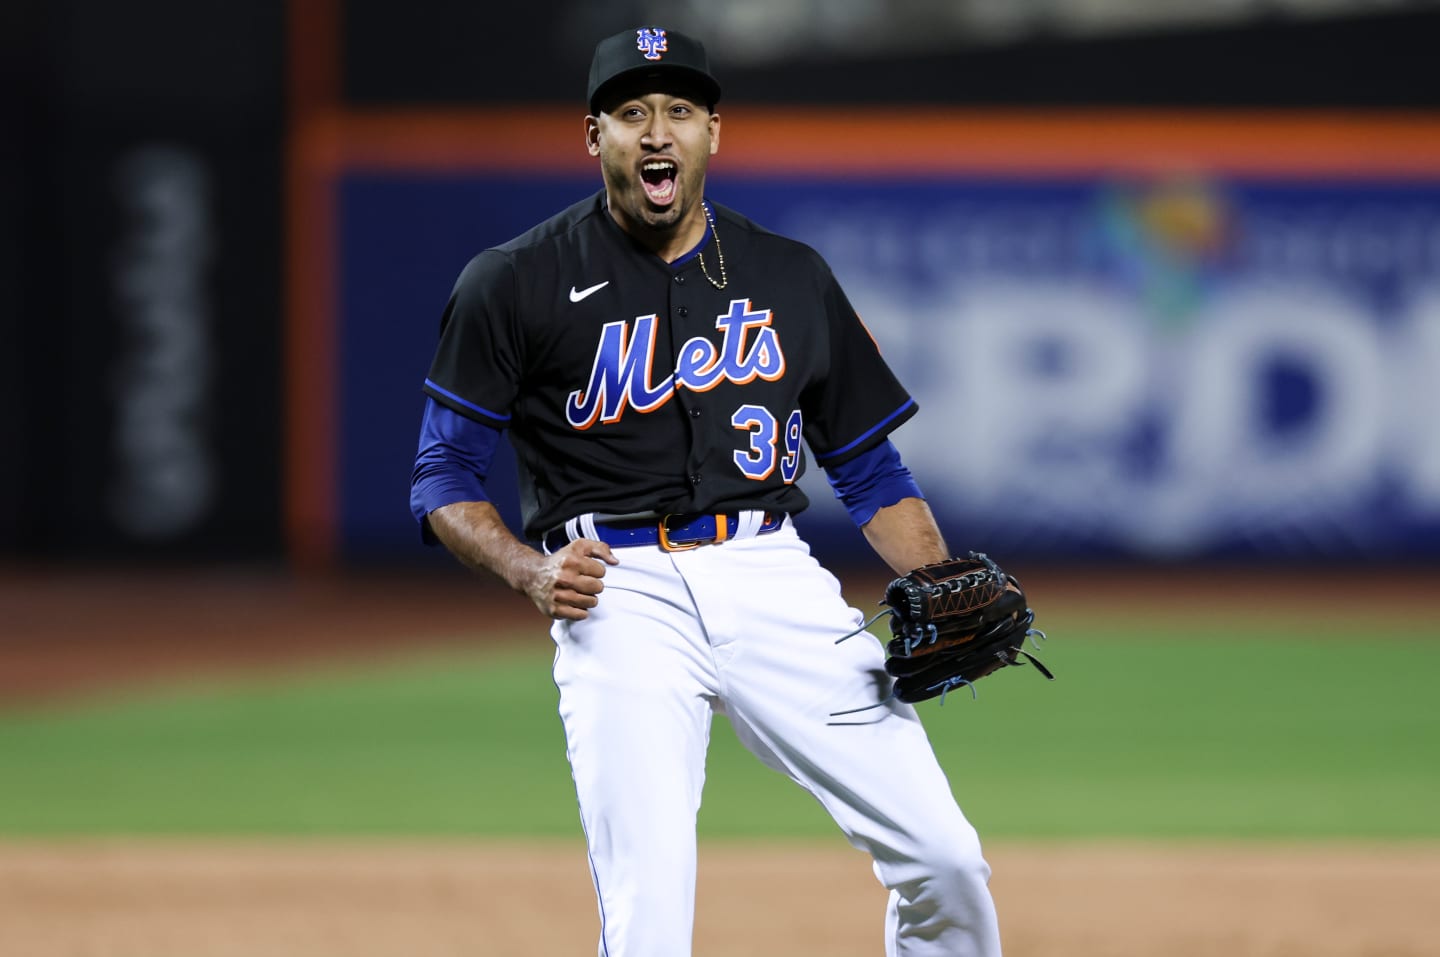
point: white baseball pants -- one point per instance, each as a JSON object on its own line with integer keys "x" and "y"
{"x": 747, "y": 628}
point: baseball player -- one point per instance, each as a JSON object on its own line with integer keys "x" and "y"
{"x": 664, "y": 367}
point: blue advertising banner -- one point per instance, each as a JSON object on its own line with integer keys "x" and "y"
{"x": 1170, "y": 369}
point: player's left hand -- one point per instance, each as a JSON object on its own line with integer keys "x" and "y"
{"x": 952, "y": 623}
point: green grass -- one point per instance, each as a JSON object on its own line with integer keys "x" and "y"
{"x": 1198, "y": 736}
{"x": 1180, "y": 734}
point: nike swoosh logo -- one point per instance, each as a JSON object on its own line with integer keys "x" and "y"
{"x": 577, "y": 296}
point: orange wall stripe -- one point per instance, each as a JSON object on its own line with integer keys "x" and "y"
{"x": 910, "y": 142}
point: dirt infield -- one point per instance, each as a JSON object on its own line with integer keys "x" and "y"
{"x": 326, "y": 900}
{"x": 68, "y": 637}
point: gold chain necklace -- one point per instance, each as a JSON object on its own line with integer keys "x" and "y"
{"x": 719, "y": 253}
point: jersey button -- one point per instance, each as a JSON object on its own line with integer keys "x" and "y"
{"x": 683, "y": 311}
{"x": 694, "y": 413}
{"x": 679, "y": 280}
{"x": 695, "y": 478}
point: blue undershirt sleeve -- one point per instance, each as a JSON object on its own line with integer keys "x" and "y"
{"x": 451, "y": 463}
{"x": 871, "y": 481}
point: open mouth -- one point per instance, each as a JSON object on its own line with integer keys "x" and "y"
{"x": 658, "y": 178}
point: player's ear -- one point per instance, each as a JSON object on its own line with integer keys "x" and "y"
{"x": 592, "y": 135}
{"x": 714, "y": 133}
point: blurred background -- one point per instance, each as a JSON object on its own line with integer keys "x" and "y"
{"x": 1187, "y": 254}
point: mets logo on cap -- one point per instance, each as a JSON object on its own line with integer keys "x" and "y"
{"x": 651, "y": 42}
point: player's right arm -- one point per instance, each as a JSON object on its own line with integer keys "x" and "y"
{"x": 562, "y": 585}
{"x": 471, "y": 384}
{"x": 448, "y": 499}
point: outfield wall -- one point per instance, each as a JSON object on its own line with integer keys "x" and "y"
{"x": 1138, "y": 335}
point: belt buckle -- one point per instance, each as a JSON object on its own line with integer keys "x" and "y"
{"x": 722, "y": 532}
{"x": 669, "y": 546}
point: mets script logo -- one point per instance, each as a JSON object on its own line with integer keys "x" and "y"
{"x": 651, "y": 42}
{"x": 749, "y": 349}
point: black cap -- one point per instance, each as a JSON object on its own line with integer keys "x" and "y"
{"x": 649, "y": 53}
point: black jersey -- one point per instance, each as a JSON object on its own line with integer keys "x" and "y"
{"x": 633, "y": 386}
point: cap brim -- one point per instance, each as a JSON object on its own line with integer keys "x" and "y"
{"x": 653, "y": 78}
